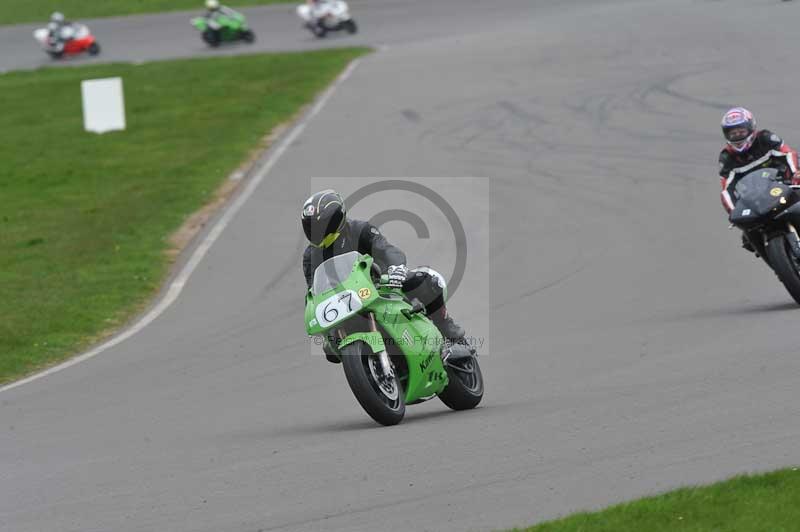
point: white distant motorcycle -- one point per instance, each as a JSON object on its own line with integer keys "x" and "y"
{"x": 325, "y": 16}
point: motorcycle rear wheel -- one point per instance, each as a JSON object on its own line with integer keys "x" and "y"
{"x": 248, "y": 36}
{"x": 465, "y": 384}
{"x": 383, "y": 400}
{"x": 784, "y": 264}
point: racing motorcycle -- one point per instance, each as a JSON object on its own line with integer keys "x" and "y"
{"x": 391, "y": 353}
{"x": 74, "y": 39}
{"x": 329, "y": 16}
{"x": 224, "y": 29}
{"x": 768, "y": 211}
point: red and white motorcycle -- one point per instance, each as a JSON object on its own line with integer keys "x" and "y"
{"x": 73, "y": 39}
{"x": 323, "y": 16}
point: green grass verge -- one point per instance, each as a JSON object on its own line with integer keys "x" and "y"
{"x": 85, "y": 219}
{"x": 759, "y": 503}
{"x": 19, "y": 11}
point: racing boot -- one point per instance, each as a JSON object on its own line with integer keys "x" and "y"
{"x": 330, "y": 354}
{"x": 449, "y": 328}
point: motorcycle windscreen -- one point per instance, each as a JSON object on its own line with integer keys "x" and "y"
{"x": 333, "y": 272}
{"x": 756, "y": 195}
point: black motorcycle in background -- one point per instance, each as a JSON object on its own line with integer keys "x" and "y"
{"x": 768, "y": 211}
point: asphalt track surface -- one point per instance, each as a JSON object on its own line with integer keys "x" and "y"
{"x": 634, "y": 346}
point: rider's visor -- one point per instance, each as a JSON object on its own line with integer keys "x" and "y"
{"x": 737, "y": 134}
{"x": 323, "y": 231}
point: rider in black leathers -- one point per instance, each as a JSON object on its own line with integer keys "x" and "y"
{"x": 330, "y": 233}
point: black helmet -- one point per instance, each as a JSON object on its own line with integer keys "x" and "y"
{"x": 324, "y": 215}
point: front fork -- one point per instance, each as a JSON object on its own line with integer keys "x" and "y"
{"x": 383, "y": 356}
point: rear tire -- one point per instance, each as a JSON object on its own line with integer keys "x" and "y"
{"x": 56, "y": 55}
{"x": 784, "y": 264}
{"x": 386, "y": 408}
{"x": 94, "y": 49}
{"x": 465, "y": 385}
{"x": 351, "y": 27}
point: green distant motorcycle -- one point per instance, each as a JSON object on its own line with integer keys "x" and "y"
{"x": 224, "y": 28}
{"x": 392, "y": 354}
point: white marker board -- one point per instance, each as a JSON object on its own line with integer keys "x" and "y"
{"x": 103, "y": 105}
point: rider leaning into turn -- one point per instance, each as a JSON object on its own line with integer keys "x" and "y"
{"x": 214, "y": 9}
{"x": 331, "y": 233}
{"x": 747, "y": 149}
{"x": 56, "y": 26}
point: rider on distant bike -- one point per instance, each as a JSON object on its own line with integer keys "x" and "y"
{"x": 331, "y": 233}
{"x": 214, "y": 10}
{"x": 60, "y": 30}
{"x": 747, "y": 149}
{"x": 319, "y": 9}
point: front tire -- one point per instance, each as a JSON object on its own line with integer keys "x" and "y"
{"x": 784, "y": 264}
{"x": 351, "y": 27}
{"x": 383, "y": 399}
{"x": 212, "y": 38}
{"x": 319, "y": 30}
{"x": 94, "y": 49}
{"x": 248, "y": 36}
{"x": 465, "y": 384}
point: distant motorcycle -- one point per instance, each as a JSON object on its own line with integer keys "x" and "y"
{"x": 74, "y": 39}
{"x": 325, "y": 17}
{"x": 768, "y": 211}
{"x": 223, "y": 29}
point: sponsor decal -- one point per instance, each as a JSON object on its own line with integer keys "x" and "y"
{"x": 775, "y": 192}
{"x": 309, "y": 210}
{"x": 312, "y": 323}
{"x": 408, "y": 338}
{"x": 746, "y": 212}
{"x": 426, "y": 362}
{"x": 364, "y": 293}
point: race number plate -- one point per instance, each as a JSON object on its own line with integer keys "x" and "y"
{"x": 337, "y": 308}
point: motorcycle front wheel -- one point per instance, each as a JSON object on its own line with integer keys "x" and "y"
{"x": 212, "y": 38}
{"x": 785, "y": 264}
{"x": 94, "y": 49}
{"x": 381, "y": 396}
{"x": 351, "y": 27}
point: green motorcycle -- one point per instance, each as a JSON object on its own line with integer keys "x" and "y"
{"x": 224, "y": 28}
{"x": 392, "y": 354}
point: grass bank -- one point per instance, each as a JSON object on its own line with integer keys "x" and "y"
{"x": 759, "y": 503}
{"x": 19, "y": 11}
{"x": 85, "y": 219}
